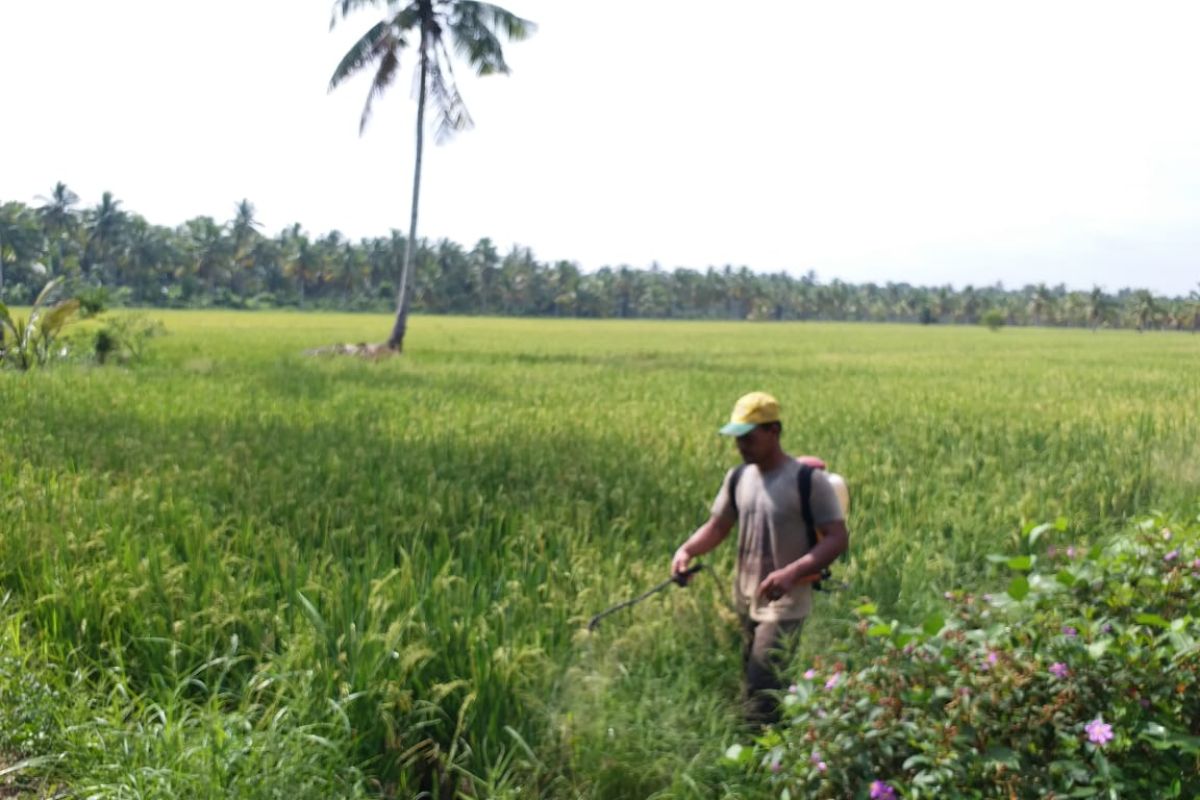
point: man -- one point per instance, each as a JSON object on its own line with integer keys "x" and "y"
{"x": 775, "y": 567}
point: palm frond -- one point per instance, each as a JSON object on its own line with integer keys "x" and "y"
{"x": 452, "y": 114}
{"x": 389, "y": 65}
{"x": 474, "y": 27}
{"x": 363, "y": 52}
{"x": 53, "y": 320}
{"x": 46, "y": 291}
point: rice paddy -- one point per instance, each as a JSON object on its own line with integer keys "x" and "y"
{"x": 233, "y": 570}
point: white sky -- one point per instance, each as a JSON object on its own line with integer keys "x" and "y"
{"x": 929, "y": 142}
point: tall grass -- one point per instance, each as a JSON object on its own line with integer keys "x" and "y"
{"x": 246, "y": 572}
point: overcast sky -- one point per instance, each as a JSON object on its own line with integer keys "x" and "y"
{"x": 929, "y": 142}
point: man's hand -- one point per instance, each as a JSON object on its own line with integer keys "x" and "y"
{"x": 777, "y": 584}
{"x": 680, "y": 561}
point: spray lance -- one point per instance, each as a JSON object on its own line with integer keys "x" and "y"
{"x": 680, "y": 579}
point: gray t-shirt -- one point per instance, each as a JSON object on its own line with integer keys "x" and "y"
{"x": 771, "y": 534}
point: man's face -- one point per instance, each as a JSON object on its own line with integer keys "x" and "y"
{"x": 757, "y": 445}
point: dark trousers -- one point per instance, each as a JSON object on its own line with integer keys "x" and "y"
{"x": 767, "y": 647}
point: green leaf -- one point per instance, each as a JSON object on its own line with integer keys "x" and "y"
{"x": 1037, "y": 532}
{"x": 1021, "y": 563}
{"x": 1152, "y": 619}
{"x": 997, "y": 559}
{"x": 1065, "y": 577}
{"x": 866, "y": 610}
{"x": 933, "y": 624}
{"x": 1060, "y": 524}
{"x": 1003, "y": 755}
{"x": 1018, "y": 589}
{"x": 881, "y": 629}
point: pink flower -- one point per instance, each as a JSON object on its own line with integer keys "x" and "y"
{"x": 1071, "y": 551}
{"x": 1196, "y": 565}
{"x": 1171, "y": 556}
{"x": 776, "y": 766}
{"x": 1059, "y": 670}
{"x": 833, "y": 680}
{"x": 810, "y": 674}
{"x": 793, "y": 689}
{"x": 882, "y": 791}
{"x": 821, "y": 766}
{"x": 1069, "y": 631}
{"x": 1099, "y": 732}
{"x": 815, "y": 757}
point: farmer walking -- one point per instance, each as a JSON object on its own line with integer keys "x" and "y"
{"x": 776, "y": 567}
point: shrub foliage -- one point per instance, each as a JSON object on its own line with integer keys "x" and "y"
{"x": 1077, "y": 680}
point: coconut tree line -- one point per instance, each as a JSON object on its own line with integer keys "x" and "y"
{"x": 233, "y": 263}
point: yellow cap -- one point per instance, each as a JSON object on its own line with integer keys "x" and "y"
{"x": 750, "y": 410}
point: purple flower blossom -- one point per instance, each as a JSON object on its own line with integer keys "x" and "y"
{"x": 776, "y": 766}
{"x": 1106, "y": 628}
{"x": 1071, "y": 551}
{"x": 1171, "y": 556}
{"x": 882, "y": 791}
{"x": 793, "y": 689}
{"x": 810, "y": 674}
{"x": 815, "y": 757}
{"x": 1069, "y": 631}
{"x": 822, "y": 766}
{"x": 1059, "y": 670}
{"x": 833, "y": 680}
{"x": 1099, "y": 732}
{"x": 993, "y": 657}
{"x": 1196, "y": 565}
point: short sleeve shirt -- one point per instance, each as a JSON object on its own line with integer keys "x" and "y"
{"x": 772, "y": 534}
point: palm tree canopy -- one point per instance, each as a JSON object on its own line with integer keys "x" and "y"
{"x": 472, "y": 28}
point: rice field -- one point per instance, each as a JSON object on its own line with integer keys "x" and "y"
{"x": 233, "y": 570}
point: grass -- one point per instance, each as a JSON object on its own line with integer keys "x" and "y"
{"x": 246, "y": 572}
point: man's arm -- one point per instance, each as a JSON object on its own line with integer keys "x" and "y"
{"x": 832, "y": 541}
{"x": 706, "y": 537}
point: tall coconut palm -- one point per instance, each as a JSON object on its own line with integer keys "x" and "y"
{"x": 473, "y": 29}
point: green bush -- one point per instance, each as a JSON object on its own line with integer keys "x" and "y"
{"x": 1080, "y": 680}
{"x": 123, "y": 338}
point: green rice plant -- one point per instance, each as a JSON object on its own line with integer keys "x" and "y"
{"x": 401, "y": 557}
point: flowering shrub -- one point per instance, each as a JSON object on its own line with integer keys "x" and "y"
{"x": 1080, "y": 680}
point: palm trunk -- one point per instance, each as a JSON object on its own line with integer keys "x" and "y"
{"x": 396, "y": 340}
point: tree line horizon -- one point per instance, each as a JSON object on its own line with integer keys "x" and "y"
{"x": 232, "y": 264}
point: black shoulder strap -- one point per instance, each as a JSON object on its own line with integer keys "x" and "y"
{"x": 804, "y": 478}
{"x": 733, "y": 482}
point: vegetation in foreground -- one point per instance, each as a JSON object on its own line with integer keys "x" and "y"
{"x": 234, "y": 571}
{"x": 1081, "y": 679}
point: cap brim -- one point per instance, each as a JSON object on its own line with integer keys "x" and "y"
{"x": 737, "y": 428}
